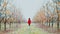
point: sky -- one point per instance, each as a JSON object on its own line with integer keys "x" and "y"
{"x": 29, "y": 8}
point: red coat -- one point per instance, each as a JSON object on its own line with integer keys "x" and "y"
{"x": 29, "y": 21}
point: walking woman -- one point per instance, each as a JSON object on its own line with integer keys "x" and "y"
{"x": 29, "y": 21}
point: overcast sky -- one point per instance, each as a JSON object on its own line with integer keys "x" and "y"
{"x": 29, "y": 7}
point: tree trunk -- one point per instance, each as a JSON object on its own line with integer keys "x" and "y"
{"x": 52, "y": 22}
{"x": 10, "y": 24}
{"x": 58, "y": 26}
{"x": 5, "y": 26}
{"x": 49, "y": 23}
{"x": 58, "y": 23}
{"x": 0, "y": 25}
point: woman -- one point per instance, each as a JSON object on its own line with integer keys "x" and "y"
{"x": 29, "y": 21}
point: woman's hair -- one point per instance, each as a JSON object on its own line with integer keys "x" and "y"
{"x": 29, "y": 18}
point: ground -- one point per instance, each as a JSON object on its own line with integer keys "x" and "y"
{"x": 25, "y": 29}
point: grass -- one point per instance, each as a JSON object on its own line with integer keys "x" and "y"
{"x": 33, "y": 30}
{"x": 25, "y": 29}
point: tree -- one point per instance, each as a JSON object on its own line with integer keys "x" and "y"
{"x": 57, "y": 2}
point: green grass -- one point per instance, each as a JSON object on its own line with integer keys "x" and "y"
{"x": 25, "y": 29}
{"x": 33, "y": 30}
